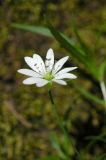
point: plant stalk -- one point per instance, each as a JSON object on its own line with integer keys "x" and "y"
{"x": 60, "y": 123}
{"x": 59, "y": 120}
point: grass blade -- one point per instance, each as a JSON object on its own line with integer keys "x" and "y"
{"x": 57, "y": 145}
{"x": 73, "y": 50}
{"x": 35, "y": 29}
{"x": 83, "y": 45}
{"x": 88, "y": 95}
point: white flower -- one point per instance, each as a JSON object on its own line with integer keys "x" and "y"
{"x": 45, "y": 73}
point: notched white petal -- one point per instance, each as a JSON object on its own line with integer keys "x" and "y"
{"x": 30, "y": 62}
{"x": 29, "y": 81}
{"x": 39, "y": 63}
{"x": 66, "y": 75}
{"x": 62, "y": 82}
{"x": 59, "y": 64}
{"x": 65, "y": 70}
{"x": 41, "y": 83}
{"x": 33, "y": 80}
{"x": 49, "y": 62}
{"x": 29, "y": 72}
{"x": 36, "y": 63}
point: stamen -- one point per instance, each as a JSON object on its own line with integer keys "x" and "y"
{"x": 48, "y": 76}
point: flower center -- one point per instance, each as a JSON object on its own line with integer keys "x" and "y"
{"x": 48, "y": 76}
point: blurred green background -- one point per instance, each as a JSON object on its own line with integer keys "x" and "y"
{"x": 26, "y": 117}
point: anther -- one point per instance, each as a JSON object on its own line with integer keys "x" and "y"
{"x": 35, "y": 64}
{"x": 48, "y": 59}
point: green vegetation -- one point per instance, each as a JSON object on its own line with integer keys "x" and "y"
{"x": 27, "y": 127}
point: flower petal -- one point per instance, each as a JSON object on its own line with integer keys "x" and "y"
{"x": 33, "y": 80}
{"x": 42, "y": 83}
{"x": 65, "y": 70}
{"x": 66, "y": 75}
{"x": 29, "y": 72}
{"x": 60, "y": 82}
{"x": 36, "y": 63}
{"x": 59, "y": 64}
{"x": 49, "y": 60}
{"x": 39, "y": 63}
{"x": 30, "y": 62}
{"x": 29, "y": 81}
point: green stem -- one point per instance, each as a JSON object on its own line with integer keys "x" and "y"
{"x": 60, "y": 123}
{"x": 59, "y": 120}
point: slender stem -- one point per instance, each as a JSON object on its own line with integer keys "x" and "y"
{"x": 59, "y": 120}
{"x": 60, "y": 123}
{"x": 51, "y": 97}
{"x": 103, "y": 89}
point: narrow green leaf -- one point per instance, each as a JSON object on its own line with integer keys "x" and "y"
{"x": 35, "y": 29}
{"x": 73, "y": 50}
{"x": 102, "y": 70}
{"x": 56, "y": 144}
{"x": 38, "y": 29}
{"x": 83, "y": 45}
{"x": 87, "y": 51}
{"x": 87, "y": 94}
